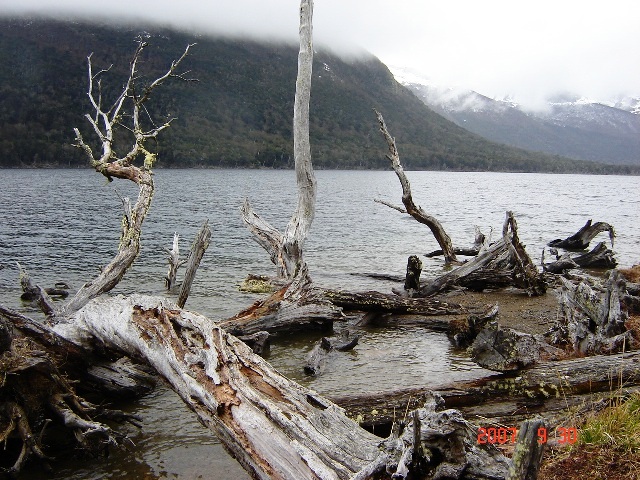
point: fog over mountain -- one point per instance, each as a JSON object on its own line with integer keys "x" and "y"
{"x": 606, "y": 130}
{"x": 524, "y": 50}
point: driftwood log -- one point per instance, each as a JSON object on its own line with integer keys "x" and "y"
{"x": 478, "y": 244}
{"x": 590, "y": 321}
{"x": 505, "y": 398}
{"x": 296, "y": 306}
{"x": 581, "y": 239}
{"x": 502, "y": 264}
{"x": 599, "y": 257}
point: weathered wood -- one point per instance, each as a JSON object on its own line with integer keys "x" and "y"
{"x": 286, "y": 249}
{"x": 104, "y": 121}
{"x": 503, "y": 263}
{"x": 36, "y": 293}
{"x": 259, "y": 342}
{"x": 504, "y": 349}
{"x": 274, "y": 427}
{"x": 435, "y": 444}
{"x": 503, "y": 395}
{"x": 121, "y": 378}
{"x": 527, "y": 454}
{"x": 385, "y": 303}
{"x": 174, "y": 262}
{"x": 415, "y": 211}
{"x": 581, "y": 239}
{"x": 33, "y": 386}
{"x": 296, "y": 306}
{"x": 478, "y": 244}
{"x": 561, "y": 265}
{"x": 599, "y": 257}
{"x": 462, "y": 334}
{"x": 199, "y": 246}
{"x": 317, "y": 358}
{"x": 412, "y": 280}
{"x": 591, "y": 322}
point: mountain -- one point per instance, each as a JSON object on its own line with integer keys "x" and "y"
{"x": 569, "y": 126}
{"x": 238, "y": 114}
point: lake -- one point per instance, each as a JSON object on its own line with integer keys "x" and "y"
{"x": 64, "y": 224}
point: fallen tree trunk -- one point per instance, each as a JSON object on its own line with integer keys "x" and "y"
{"x": 386, "y": 303}
{"x": 233, "y": 391}
{"x": 478, "y": 245}
{"x": 581, "y": 239}
{"x": 549, "y": 384}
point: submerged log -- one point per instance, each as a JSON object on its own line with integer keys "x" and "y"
{"x": 581, "y": 239}
{"x": 385, "y": 303}
{"x": 317, "y": 358}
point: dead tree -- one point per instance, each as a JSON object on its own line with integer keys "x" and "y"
{"x": 581, "y": 239}
{"x": 407, "y": 199}
{"x": 286, "y": 249}
{"x": 479, "y": 243}
{"x": 111, "y": 165}
{"x": 36, "y": 355}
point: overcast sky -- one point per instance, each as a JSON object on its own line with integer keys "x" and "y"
{"x": 520, "y": 48}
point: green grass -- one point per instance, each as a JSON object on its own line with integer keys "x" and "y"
{"x": 617, "y": 426}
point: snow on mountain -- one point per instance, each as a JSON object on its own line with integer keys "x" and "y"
{"x": 572, "y": 126}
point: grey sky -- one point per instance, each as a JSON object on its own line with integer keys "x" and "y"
{"x": 524, "y": 49}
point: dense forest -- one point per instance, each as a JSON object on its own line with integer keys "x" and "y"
{"x": 238, "y": 114}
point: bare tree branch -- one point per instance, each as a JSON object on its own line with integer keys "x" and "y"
{"x": 112, "y": 166}
{"x": 412, "y": 209}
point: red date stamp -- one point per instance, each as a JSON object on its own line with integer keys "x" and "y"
{"x": 502, "y": 435}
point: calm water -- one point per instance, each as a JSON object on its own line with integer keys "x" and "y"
{"x": 64, "y": 224}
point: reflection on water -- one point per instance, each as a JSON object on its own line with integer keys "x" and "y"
{"x": 64, "y": 224}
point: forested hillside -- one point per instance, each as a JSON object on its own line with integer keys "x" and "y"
{"x": 238, "y": 114}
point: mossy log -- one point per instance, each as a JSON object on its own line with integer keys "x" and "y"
{"x": 548, "y": 384}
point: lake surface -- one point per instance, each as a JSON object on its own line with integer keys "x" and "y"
{"x": 64, "y": 224}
